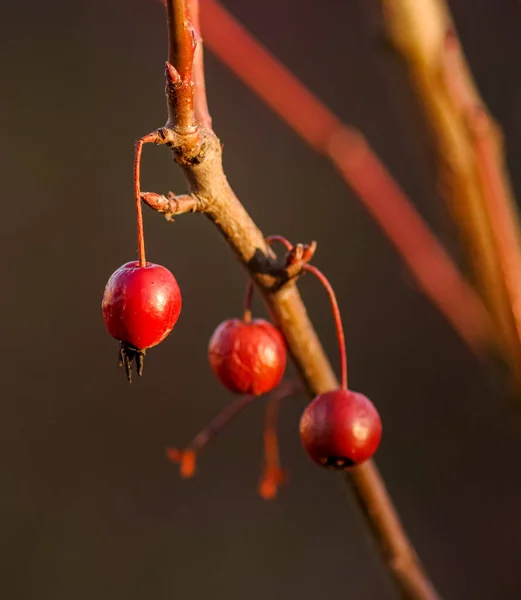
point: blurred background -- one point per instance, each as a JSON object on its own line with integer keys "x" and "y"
{"x": 90, "y": 507}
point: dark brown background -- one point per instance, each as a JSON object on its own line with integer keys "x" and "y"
{"x": 90, "y": 508}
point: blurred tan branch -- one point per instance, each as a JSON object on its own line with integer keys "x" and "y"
{"x": 470, "y": 154}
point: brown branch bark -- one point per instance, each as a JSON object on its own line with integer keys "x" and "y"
{"x": 202, "y": 113}
{"x": 181, "y": 43}
{"x": 472, "y": 174}
{"x": 207, "y": 182}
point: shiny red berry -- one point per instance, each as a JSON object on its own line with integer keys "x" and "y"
{"x": 140, "y": 307}
{"x": 340, "y": 429}
{"x": 248, "y": 357}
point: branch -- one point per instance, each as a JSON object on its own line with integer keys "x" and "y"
{"x": 207, "y": 182}
{"x": 427, "y": 260}
{"x": 200, "y": 102}
{"x": 474, "y": 181}
{"x": 179, "y": 92}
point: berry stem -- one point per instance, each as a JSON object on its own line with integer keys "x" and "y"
{"x": 281, "y": 239}
{"x": 139, "y": 211}
{"x": 273, "y": 475}
{"x": 150, "y": 138}
{"x": 220, "y": 421}
{"x": 186, "y": 457}
{"x": 338, "y": 321}
{"x": 247, "y": 302}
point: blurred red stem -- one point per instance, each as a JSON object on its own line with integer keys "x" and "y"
{"x": 220, "y": 421}
{"x": 347, "y": 149}
{"x": 273, "y": 475}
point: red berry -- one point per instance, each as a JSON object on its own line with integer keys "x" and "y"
{"x": 141, "y": 305}
{"x": 248, "y": 357}
{"x": 340, "y": 429}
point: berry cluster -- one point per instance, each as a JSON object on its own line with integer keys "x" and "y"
{"x": 339, "y": 429}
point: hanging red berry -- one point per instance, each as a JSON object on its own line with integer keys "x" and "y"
{"x": 340, "y": 429}
{"x": 248, "y": 357}
{"x": 140, "y": 307}
{"x": 142, "y": 301}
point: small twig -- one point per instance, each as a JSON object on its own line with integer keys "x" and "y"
{"x": 172, "y": 205}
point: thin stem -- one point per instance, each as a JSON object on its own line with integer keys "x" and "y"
{"x": 281, "y": 239}
{"x": 247, "y": 302}
{"x": 338, "y": 321}
{"x": 139, "y": 211}
{"x": 146, "y": 139}
{"x": 186, "y": 457}
{"x": 273, "y": 474}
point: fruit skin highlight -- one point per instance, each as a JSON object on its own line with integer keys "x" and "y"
{"x": 340, "y": 429}
{"x": 248, "y": 357}
{"x": 141, "y": 305}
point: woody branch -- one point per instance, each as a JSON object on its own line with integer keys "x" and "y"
{"x": 199, "y": 153}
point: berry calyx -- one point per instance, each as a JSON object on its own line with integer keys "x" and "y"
{"x": 248, "y": 357}
{"x": 140, "y": 307}
{"x": 340, "y": 429}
